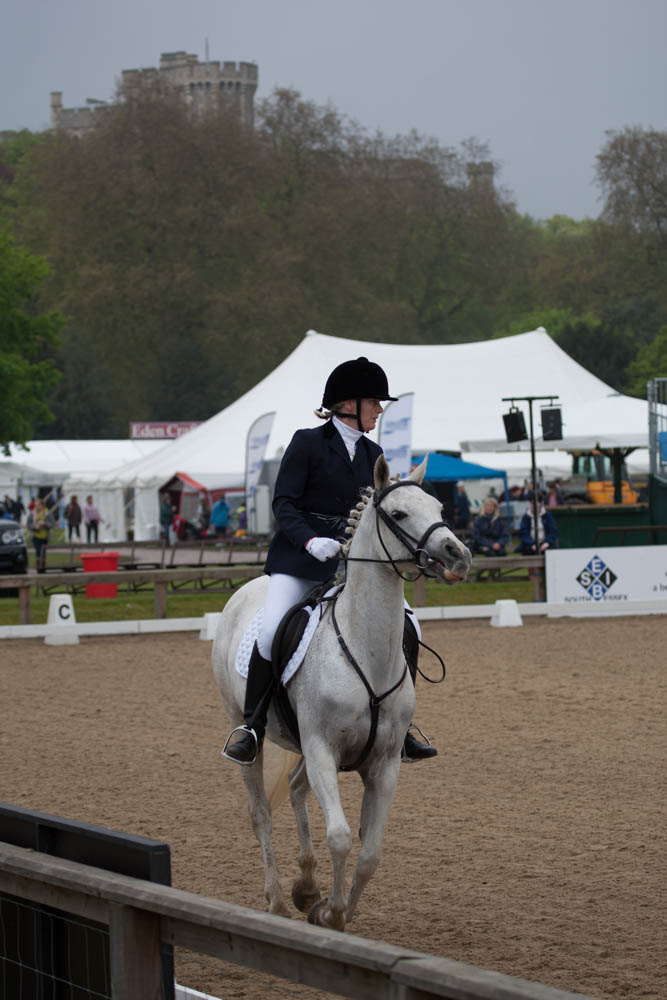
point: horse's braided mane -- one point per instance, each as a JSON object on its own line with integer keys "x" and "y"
{"x": 355, "y": 515}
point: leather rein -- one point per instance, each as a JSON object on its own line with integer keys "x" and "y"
{"x": 424, "y": 562}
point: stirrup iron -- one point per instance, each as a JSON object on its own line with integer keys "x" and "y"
{"x": 427, "y": 742}
{"x": 241, "y": 729}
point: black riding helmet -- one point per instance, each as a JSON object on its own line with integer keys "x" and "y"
{"x": 358, "y": 379}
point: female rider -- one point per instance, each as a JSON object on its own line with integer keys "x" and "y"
{"x": 319, "y": 481}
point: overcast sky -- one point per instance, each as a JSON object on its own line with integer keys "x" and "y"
{"x": 540, "y": 80}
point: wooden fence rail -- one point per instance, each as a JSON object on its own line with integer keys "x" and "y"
{"x": 141, "y": 914}
{"x": 159, "y": 579}
{"x": 204, "y": 577}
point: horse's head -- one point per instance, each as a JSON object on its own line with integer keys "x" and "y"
{"x": 410, "y": 526}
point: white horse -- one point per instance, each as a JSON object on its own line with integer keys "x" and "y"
{"x": 395, "y": 527}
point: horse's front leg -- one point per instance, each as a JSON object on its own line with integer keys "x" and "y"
{"x": 380, "y": 787}
{"x": 305, "y": 890}
{"x": 323, "y": 776}
{"x": 260, "y": 814}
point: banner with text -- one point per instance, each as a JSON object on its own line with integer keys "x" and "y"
{"x": 395, "y": 437}
{"x": 256, "y": 442}
{"x": 610, "y": 576}
{"x": 160, "y": 430}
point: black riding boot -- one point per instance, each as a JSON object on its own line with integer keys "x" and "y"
{"x": 258, "y": 692}
{"x": 414, "y": 749}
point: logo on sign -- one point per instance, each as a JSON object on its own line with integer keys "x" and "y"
{"x": 391, "y": 454}
{"x": 393, "y": 426}
{"x": 596, "y": 578}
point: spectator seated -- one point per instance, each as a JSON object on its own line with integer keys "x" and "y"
{"x": 490, "y": 533}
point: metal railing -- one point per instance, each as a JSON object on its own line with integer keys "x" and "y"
{"x": 656, "y": 393}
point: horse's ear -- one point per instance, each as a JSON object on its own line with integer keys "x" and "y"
{"x": 381, "y": 473}
{"x": 418, "y": 474}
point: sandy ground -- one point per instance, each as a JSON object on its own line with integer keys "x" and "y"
{"x": 535, "y": 843}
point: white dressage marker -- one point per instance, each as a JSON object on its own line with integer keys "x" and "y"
{"x": 61, "y": 619}
{"x": 506, "y": 614}
{"x": 209, "y": 624}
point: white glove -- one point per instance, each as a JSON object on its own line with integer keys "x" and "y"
{"x": 323, "y": 548}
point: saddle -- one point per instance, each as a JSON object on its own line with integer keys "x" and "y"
{"x": 286, "y": 640}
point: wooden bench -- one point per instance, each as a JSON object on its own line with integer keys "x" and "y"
{"x": 228, "y": 552}
{"x": 496, "y": 568}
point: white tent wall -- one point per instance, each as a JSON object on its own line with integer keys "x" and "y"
{"x": 108, "y": 499}
{"x": 112, "y": 511}
{"x": 459, "y": 390}
{"x": 146, "y": 514}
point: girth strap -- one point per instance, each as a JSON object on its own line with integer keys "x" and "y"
{"x": 374, "y": 701}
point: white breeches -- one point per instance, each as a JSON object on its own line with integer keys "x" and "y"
{"x": 283, "y": 593}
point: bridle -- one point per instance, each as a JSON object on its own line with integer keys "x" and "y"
{"x": 415, "y": 546}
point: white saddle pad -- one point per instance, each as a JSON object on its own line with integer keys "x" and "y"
{"x": 252, "y": 632}
{"x": 254, "y": 627}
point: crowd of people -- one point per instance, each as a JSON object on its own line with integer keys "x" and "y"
{"x": 488, "y": 533}
{"x": 214, "y": 521}
{"x": 43, "y": 514}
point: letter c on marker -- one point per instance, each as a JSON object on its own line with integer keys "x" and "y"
{"x": 63, "y": 611}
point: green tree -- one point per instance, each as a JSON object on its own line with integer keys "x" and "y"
{"x": 650, "y": 362}
{"x": 632, "y": 173}
{"x": 27, "y": 372}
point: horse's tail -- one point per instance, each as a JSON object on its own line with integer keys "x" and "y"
{"x": 277, "y": 766}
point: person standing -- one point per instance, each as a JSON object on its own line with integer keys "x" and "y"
{"x": 319, "y": 481}
{"x": 92, "y": 519}
{"x": 39, "y": 524}
{"x": 203, "y": 513}
{"x": 461, "y": 508}
{"x": 220, "y": 516}
{"x": 166, "y": 516}
{"x": 73, "y": 516}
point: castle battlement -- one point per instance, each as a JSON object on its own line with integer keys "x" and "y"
{"x": 204, "y": 85}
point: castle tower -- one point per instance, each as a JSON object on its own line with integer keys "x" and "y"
{"x": 480, "y": 177}
{"x": 204, "y": 86}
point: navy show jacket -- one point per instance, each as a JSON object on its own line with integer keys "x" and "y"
{"x": 316, "y": 477}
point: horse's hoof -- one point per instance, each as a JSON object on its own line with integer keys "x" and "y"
{"x": 304, "y": 900}
{"x": 279, "y": 910}
{"x": 316, "y": 915}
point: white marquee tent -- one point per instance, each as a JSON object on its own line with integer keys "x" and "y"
{"x": 458, "y": 397}
{"x": 49, "y": 463}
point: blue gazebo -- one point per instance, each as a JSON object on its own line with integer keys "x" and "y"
{"x": 447, "y": 469}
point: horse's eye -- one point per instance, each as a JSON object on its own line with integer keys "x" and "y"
{"x": 398, "y": 515}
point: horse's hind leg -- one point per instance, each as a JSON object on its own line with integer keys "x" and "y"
{"x": 305, "y": 890}
{"x": 378, "y": 797}
{"x": 260, "y": 814}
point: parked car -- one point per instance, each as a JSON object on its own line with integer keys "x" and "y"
{"x": 13, "y": 548}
